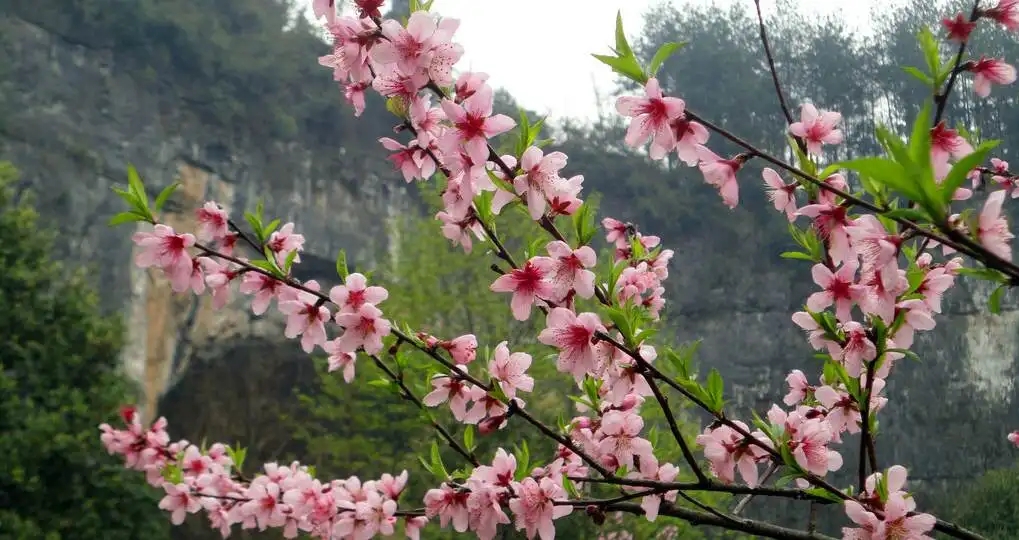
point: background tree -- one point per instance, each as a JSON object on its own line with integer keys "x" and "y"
{"x": 59, "y": 379}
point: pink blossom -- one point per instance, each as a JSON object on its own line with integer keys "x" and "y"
{"x": 1013, "y": 438}
{"x": 355, "y": 292}
{"x": 450, "y": 504}
{"x": 354, "y": 94}
{"x": 179, "y": 502}
{"x": 570, "y": 269}
{"x": 264, "y": 287}
{"x": 459, "y": 228}
{"x": 816, "y": 335}
{"x": 451, "y": 389}
{"x": 324, "y": 9}
{"x": 872, "y": 241}
{"x": 617, "y": 232}
{"x": 467, "y": 84}
{"x": 838, "y": 288}
{"x": 990, "y": 70}
{"x": 946, "y": 143}
{"x": 621, "y": 430}
{"x": 283, "y": 242}
{"x": 857, "y": 349}
{"x": 168, "y": 251}
{"x": 212, "y": 222}
{"x": 651, "y": 116}
{"x": 1005, "y": 13}
{"x": 306, "y": 317}
{"x": 340, "y": 359}
{"x": 364, "y": 327}
{"x": 528, "y": 284}
{"x": 510, "y": 370}
{"x": 412, "y": 161}
{"x": 406, "y": 47}
{"x": 688, "y": 135}
{"x": 728, "y": 451}
{"x": 473, "y": 123}
{"x": 817, "y": 128}
{"x": 798, "y": 387}
{"x": 895, "y": 524}
{"x": 539, "y": 171}
{"x": 831, "y": 221}
{"x": 218, "y": 277}
{"x": 782, "y": 195}
{"x": 993, "y": 231}
{"x": 958, "y": 28}
{"x": 721, "y": 173}
{"x": 572, "y": 334}
{"x": 533, "y": 506}
{"x": 462, "y": 349}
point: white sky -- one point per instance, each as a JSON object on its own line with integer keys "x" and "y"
{"x": 497, "y": 39}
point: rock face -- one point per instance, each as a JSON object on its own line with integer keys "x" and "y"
{"x": 72, "y": 121}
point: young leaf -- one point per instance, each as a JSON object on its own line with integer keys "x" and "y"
{"x": 627, "y": 67}
{"x": 994, "y": 302}
{"x": 961, "y": 169}
{"x": 341, "y": 265}
{"x": 622, "y": 47}
{"x": 165, "y": 195}
{"x": 924, "y": 78}
{"x": 797, "y": 255}
{"x": 126, "y": 217}
{"x": 663, "y": 54}
{"x": 134, "y": 183}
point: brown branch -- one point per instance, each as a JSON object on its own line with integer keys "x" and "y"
{"x": 734, "y": 523}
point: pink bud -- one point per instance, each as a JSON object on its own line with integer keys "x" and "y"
{"x": 491, "y": 424}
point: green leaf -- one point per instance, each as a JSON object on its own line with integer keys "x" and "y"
{"x": 911, "y": 214}
{"x": 799, "y": 255}
{"x": 994, "y": 302}
{"x": 126, "y": 217}
{"x": 924, "y": 78}
{"x": 663, "y": 54}
{"x": 716, "y": 389}
{"x": 469, "y": 437}
{"x": 341, "y": 265}
{"x": 920, "y": 139}
{"x": 165, "y": 195}
{"x": 622, "y": 46}
{"x": 627, "y": 67}
{"x": 289, "y": 262}
{"x": 268, "y": 229}
{"x": 806, "y": 164}
{"x": 437, "y": 464}
{"x": 136, "y": 186}
{"x": 887, "y": 172}
{"x": 822, "y": 493}
{"x": 985, "y": 274}
{"x": 929, "y": 47}
{"x": 570, "y": 488}
{"x": 907, "y": 353}
{"x": 957, "y": 175}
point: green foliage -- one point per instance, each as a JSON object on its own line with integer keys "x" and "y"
{"x": 987, "y": 505}
{"x": 59, "y": 380}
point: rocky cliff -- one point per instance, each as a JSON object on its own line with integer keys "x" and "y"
{"x": 72, "y": 118}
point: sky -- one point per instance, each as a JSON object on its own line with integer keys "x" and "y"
{"x": 568, "y": 85}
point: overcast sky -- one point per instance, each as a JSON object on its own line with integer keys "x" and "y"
{"x": 494, "y": 34}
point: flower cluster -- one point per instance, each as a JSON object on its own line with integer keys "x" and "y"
{"x": 213, "y": 269}
{"x": 875, "y": 291}
{"x": 285, "y": 497}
